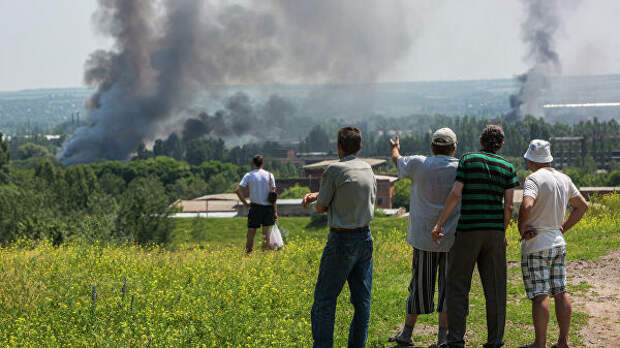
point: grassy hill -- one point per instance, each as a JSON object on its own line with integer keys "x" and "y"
{"x": 201, "y": 290}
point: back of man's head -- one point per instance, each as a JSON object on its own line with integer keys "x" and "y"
{"x": 257, "y": 161}
{"x": 492, "y": 138}
{"x": 350, "y": 140}
{"x": 443, "y": 142}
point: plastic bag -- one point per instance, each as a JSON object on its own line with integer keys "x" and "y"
{"x": 275, "y": 238}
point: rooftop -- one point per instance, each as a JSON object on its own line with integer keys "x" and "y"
{"x": 387, "y": 177}
{"x": 373, "y": 162}
{"x": 194, "y": 206}
{"x": 218, "y": 197}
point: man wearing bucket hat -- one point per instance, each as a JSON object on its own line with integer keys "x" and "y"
{"x": 546, "y": 193}
{"x": 431, "y": 181}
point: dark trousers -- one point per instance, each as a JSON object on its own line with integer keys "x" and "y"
{"x": 347, "y": 257}
{"x": 488, "y": 250}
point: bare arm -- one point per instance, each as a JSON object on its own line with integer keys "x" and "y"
{"x": 239, "y": 193}
{"x": 395, "y": 144}
{"x": 524, "y": 214}
{"x": 311, "y": 197}
{"x": 448, "y": 207}
{"x": 275, "y": 204}
{"x": 451, "y": 202}
{"x": 580, "y": 206}
{"x": 508, "y": 206}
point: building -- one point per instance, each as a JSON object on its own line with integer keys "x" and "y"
{"x": 286, "y": 207}
{"x": 314, "y": 171}
{"x": 572, "y": 151}
{"x": 385, "y": 190}
{"x": 314, "y": 157}
{"x": 218, "y": 205}
{"x": 568, "y": 151}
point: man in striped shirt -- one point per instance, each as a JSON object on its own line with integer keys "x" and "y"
{"x": 485, "y": 184}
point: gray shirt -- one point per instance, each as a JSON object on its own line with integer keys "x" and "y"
{"x": 432, "y": 179}
{"x": 348, "y": 190}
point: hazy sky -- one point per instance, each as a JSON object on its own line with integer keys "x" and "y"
{"x": 46, "y": 42}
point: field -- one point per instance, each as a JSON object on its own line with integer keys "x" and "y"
{"x": 201, "y": 290}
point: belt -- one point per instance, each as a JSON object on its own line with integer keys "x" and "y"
{"x": 357, "y": 229}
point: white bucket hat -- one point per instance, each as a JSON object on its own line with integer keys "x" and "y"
{"x": 539, "y": 151}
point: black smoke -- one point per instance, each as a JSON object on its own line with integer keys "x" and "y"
{"x": 165, "y": 52}
{"x": 243, "y": 116}
{"x": 538, "y": 33}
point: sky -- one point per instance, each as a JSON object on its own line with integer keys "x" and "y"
{"x": 46, "y": 42}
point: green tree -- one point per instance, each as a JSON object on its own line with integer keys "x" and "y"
{"x": 220, "y": 183}
{"x": 112, "y": 184}
{"x": 143, "y": 214}
{"x": 4, "y": 159}
{"x": 30, "y": 150}
{"x": 185, "y": 188}
{"x": 46, "y": 171}
{"x": 401, "y": 193}
{"x": 81, "y": 182}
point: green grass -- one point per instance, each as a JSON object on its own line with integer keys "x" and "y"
{"x": 202, "y": 290}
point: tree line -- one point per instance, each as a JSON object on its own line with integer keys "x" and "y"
{"x": 130, "y": 200}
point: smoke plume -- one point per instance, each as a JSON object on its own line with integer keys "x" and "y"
{"x": 241, "y": 116}
{"x": 538, "y": 31}
{"x": 165, "y": 52}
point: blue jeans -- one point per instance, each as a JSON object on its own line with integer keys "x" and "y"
{"x": 346, "y": 257}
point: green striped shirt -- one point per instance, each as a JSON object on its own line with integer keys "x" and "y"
{"x": 485, "y": 177}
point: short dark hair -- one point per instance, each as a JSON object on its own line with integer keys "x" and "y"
{"x": 492, "y": 138}
{"x": 445, "y": 150}
{"x": 257, "y": 160}
{"x": 350, "y": 140}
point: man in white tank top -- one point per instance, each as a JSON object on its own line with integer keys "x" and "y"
{"x": 261, "y": 213}
{"x": 546, "y": 193}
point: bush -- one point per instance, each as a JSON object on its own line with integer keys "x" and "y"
{"x": 401, "y": 193}
{"x": 143, "y": 215}
{"x": 295, "y": 192}
{"x": 317, "y": 221}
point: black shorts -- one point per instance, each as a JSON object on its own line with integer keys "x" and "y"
{"x": 260, "y": 215}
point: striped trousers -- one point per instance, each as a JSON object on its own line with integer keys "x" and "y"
{"x": 425, "y": 267}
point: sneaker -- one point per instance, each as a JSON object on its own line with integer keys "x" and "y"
{"x": 401, "y": 341}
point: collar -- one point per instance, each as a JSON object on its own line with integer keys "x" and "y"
{"x": 348, "y": 158}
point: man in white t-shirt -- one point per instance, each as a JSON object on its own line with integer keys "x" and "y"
{"x": 261, "y": 212}
{"x": 546, "y": 193}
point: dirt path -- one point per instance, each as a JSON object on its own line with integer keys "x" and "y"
{"x": 601, "y": 301}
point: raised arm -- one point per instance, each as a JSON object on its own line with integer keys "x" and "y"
{"x": 580, "y": 206}
{"x": 395, "y": 144}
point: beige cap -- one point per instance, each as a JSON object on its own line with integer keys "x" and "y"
{"x": 444, "y": 136}
{"x": 539, "y": 151}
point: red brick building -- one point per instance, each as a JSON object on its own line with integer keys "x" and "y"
{"x": 313, "y": 173}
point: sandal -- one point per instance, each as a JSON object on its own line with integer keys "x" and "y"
{"x": 401, "y": 342}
